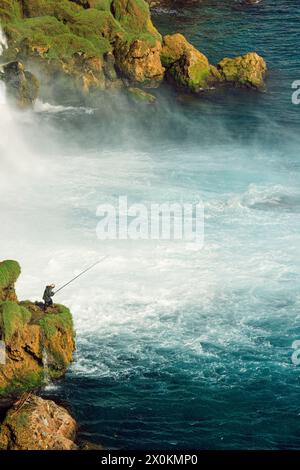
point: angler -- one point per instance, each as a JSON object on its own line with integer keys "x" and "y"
{"x": 47, "y": 296}
{"x": 49, "y": 290}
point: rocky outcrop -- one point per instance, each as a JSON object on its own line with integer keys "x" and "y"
{"x": 248, "y": 70}
{"x": 37, "y": 424}
{"x": 185, "y": 65}
{"x": 139, "y": 61}
{"x": 22, "y": 87}
{"x": 83, "y": 40}
{"x": 37, "y": 345}
{"x": 190, "y": 69}
{"x": 87, "y": 45}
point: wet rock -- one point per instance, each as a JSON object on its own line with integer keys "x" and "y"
{"x": 140, "y": 96}
{"x": 139, "y": 61}
{"x": 185, "y": 65}
{"x": 22, "y": 87}
{"x": 248, "y": 70}
{"x": 37, "y": 424}
{"x": 77, "y": 39}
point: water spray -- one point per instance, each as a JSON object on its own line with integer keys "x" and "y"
{"x": 81, "y": 274}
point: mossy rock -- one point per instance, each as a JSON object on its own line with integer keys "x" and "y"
{"x": 95, "y": 24}
{"x": 13, "y": 317}
{"x": 59, "y": 318}
{"x": 75, "y": 39}
{"x": 186, "y": 66}
{"x": 134, "y": 16}
{"x": 9, "y": 272}
{"x": 140, "y": 96}
{"x": 62, "y": 9}
{"x": 248, "y": 70}
{"x": 58, "y": 338}
{"x": 10, "y": 10}
{"x": 22, "y": 86}
{"x": 103, "y": 5}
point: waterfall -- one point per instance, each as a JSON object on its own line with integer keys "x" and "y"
{"x": 47, "y": 381}
{"x": 3, "y": 46}
{"x": 17, "y": 159}
{"x": 3, "y": 41}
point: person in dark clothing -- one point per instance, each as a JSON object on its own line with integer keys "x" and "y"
{"x": 47, "y": 297}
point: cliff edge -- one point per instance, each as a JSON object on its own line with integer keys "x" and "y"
{"x": 36, "y": 345}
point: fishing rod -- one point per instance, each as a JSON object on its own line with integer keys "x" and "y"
{"x": 83, "y": 272}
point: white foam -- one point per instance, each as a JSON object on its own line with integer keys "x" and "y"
{"x": 42, "y": 107}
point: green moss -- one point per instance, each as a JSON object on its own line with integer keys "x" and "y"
{"x": 198, "y": 75}
{"x": 65, "y": 34}
{"x": 51, "y": 322}
{"x": 94, "y": 23}
{"x": 103, "y": 5}
{"x": 22, "y": 383}
{"x": 133, "y": 15}
{"x": 9, "y": 272}
{"x": 140, "y": 96}
{"x": 10, "y": 10}
{"x": 55, "y": 39}
{"x": 12, "y": 318}
{"x": 22, "y": 419}
{"x": 61, "y": 9}
{"x": 98, "y": 4}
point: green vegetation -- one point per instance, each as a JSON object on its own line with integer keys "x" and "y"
{"x": 9, "y": 273}
{"x": 12, "y": 318}
{"x": 52, "y": 322}
{"x": 61, "y": 29}
{"x": 23, "y": 382}
{"x": 10, "y": 10}
{"x": 140, "y": 96}
{"x": 247, "y": 70}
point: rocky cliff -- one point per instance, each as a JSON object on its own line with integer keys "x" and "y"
{"x": 105, "y": 44}
{"x": 37, "y": 424}
{"x": 37, "y": 344}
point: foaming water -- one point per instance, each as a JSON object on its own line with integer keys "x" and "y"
{"x": 177, "y": 347}
{"x": 41, "y": 107}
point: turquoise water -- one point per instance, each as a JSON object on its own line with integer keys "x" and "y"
{"x": 176, "y": 347}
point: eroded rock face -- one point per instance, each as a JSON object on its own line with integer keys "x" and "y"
{"x": 248, "y": 70}
{"x": 37, "y": 424}
{"x": 185, "y": 65}
{"x": 22, "y": 87}
{"x": 139, "y": 61}
{"x": 30, "y": 336}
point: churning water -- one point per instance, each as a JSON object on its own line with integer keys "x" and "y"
{"x": 176, "y": 347}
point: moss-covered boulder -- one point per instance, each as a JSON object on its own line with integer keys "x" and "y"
{"x": 140, "y": 96}
{"x": 134, "y": 17}
{"x": 139, "y": 60}
{"x": 185, "y": 65}
{"x": 37, "y": 424}
{"x": 9, "y": 272}
{"x": 38, "y": 345}
{"x": 138, "y": 45}
{"x": 248, "y": 70}
{"x": 58, "y": 338}
{"x": 22, "y": 87}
